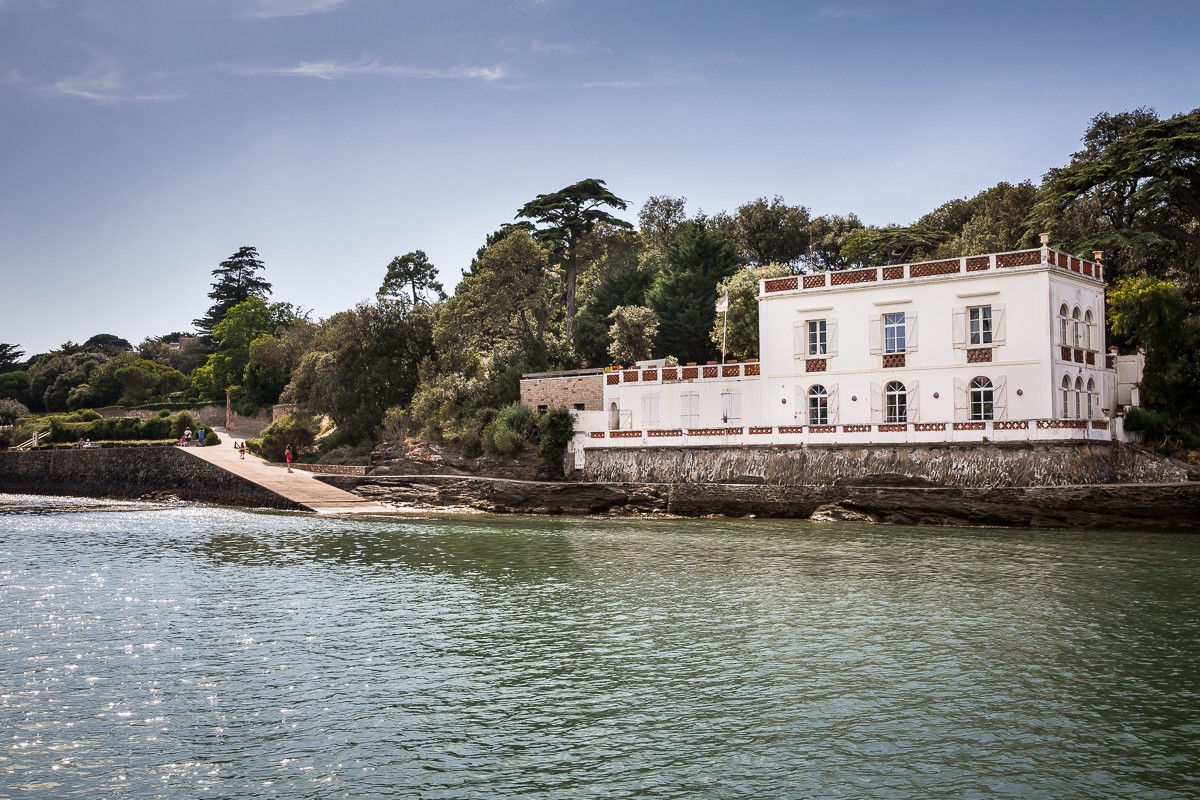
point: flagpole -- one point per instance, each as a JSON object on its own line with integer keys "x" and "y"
{"x": 724, "y": 332}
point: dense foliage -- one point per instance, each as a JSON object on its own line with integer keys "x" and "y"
{"x": 571, "y": 285}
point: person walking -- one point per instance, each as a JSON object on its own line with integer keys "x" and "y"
{"x": 287, "y": 456}
{"x": 242, "y": 450}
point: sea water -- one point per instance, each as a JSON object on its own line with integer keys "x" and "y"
{"x": 174, "y": 651}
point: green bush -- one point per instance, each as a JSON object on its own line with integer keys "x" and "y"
{"x": 555, "y": 429}
{"x": 472, "y": 444}
{"x": 296, "y": 430}
{"x": 1153, "y": 425}
{"x": 181, "y": 422}
{"x": 500, "y": 440}
{"x": 354, "y": 455}
{"x": 211, "y": 438}
{"x": 517, "y": 418}
{"x": 164, "y": 413}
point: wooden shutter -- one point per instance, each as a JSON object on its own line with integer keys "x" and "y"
{"x": 799, "y": 340}
{"x": 960, "y": 328}
{"x": 835, "y": 415}
{"x": 875, "y": 334}
{"x": 998, "y": 327}
{"x": 910, "y": 333}
{"x": 1000, "y": 398}
{"x": 962, "y": 400}
{"x": 831, "y": 337}
{"x": 914, "y": 403}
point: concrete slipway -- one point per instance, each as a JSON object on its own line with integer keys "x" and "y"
{"x": 299, "y": 486}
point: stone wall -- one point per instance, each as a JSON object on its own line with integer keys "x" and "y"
{"x": 566, "y": 391}
{"x": 1059, "y": 464}
{"x": 130, "y": 473}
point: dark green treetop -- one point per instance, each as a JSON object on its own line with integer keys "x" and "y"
{"x": 237, "y": 280}
{"x": 566, "y": 216}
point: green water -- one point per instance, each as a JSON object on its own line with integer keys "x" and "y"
{"x": 195, "y": 652}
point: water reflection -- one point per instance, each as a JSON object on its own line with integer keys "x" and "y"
{"x": 207, "y": 652}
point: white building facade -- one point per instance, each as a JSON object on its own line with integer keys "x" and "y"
{"x": 1000, "y": 347}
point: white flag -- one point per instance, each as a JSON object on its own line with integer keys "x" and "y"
{"x": 723, "y": 303}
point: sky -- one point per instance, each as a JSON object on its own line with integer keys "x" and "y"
{"x": 142, "y": 142}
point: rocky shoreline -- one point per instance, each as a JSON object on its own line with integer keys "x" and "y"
{"x": 887, "y": 499}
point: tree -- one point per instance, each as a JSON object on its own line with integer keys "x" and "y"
{"x": 107, "y": 343}
{"x": 827, "y": 236}
{"x": 568, "y": 215}
{"x": 363, "y": 362}
{"x": 10, "y": 356}
{"x": 1139, "y": 179}
{"x": 1156, "y": 315}
{"x": 892, "y": 245}
{"x": 508, "y": 301}
{"x": 52, "y": 378}
{"x": 14, "y": 385}
{"x": 633, "y": 331}
{"x": 683, "y": 295}
{"x": 739, "y": 330}
{"x": 233, "y": 335}
{"x": 413, "y": 273}
{"x": 771, "y": 232}
{"x": 237, "y": 280}
{"x": 615, "y": 276}
{"x": 11, "y": 410}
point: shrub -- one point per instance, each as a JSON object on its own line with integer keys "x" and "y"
{"x": 472, "y": 444}
{"x": 556, "y": 428}
{"x": 517, "y": 418}
{"x": 500, "y": 440}
{"x": 1153, "y": 425}
{"x": 355, "y": 455}
{"x": 211, "y": 438}
{"x": 11, "y": 410}
{"x": 295, "y": 430}
{"x": 164, "y": 413}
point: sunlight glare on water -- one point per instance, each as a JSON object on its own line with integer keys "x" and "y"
{"x": 169, "y": 652}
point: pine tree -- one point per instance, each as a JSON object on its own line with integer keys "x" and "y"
{"x": 237, "y": 280}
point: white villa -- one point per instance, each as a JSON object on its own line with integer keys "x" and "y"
{"x": 1000, "y": 347}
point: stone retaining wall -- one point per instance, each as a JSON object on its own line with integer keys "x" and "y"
{"x": 130, "y": 473}
{"x": 1059, "y": 464}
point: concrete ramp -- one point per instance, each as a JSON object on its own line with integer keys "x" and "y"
{"x": 299, "y": 486}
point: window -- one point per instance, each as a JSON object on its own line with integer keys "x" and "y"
{"x": 731, "y": 406}
{"x": 980, "y": 321}
{"x": 1076, "y": 328}
{"x": 1087, "y": 329}
{"x": 689, "y": 409}
{"x": 1078, "y": 398}
{"x": 896, "y": 399}
{"x": 1092, "y": 400}
{"x": 650, "y": 410}
{"x": 893, "y": 333}
{"x": 982, "y": 397}
{"x": 1066, "y": 397}
{"x": 818, "y": 338}
{"x": 818, "y": 406}
{"x": 1063, "y": 337}
{"x": 580, "y": 406}
{"x": 542, "y": 409}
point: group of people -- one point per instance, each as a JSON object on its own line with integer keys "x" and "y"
{"x": 186, "y": 439}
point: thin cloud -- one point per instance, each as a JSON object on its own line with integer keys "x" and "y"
{"x": 565, "y": 49}
{"x": 104, "y": 83}
{"x": 649, "y": 83}
{"x": 332, "y": 70}
{"x": 267, "y": 9}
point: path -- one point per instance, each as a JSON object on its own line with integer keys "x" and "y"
{"x": 298, "y": 486}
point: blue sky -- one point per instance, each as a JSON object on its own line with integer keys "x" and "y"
{"x": 144, "y": 141}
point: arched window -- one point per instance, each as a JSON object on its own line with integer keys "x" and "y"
{"x": 818, "y": 405}
{"x": 981, "y": 399}
{"x": 1087, "y": 329}
{"x": 1077, "y": 327}
{"x": 1063, "y": 336}
{"x": 1079, "y": 398}
{"x": 614, "y": 417}
{"x": 896, "y": 402}
{"x": 1092, "y": 400}
{"x": 1066, "y": 397}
